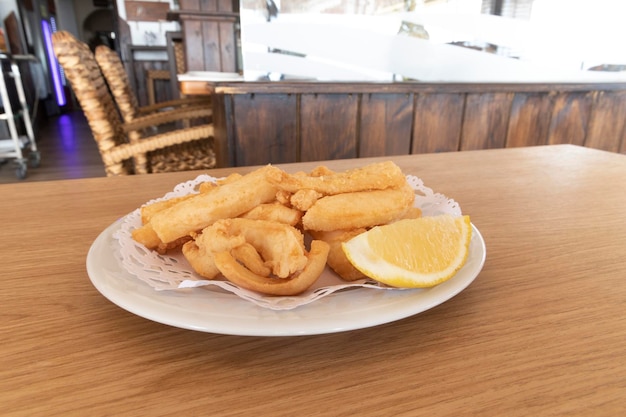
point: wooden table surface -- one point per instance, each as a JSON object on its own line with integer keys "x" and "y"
{"x": 541, "y": 331}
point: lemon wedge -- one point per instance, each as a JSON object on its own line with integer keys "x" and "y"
{"x": 412, "y": 253}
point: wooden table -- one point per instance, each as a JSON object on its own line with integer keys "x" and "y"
{"x": 541, "y": 331}
{"x": 298, "y": 121}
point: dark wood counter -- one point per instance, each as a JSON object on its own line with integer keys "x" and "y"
{"x": 288, "y": 121}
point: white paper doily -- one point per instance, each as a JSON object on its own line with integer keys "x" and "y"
{"x": 172, "y": 271}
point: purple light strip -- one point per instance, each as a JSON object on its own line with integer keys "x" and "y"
{"x": 54, "y": 65}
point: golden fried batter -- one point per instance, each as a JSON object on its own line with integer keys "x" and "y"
{"x": 304, "y": 199}
{"x": 377, "y": 176}
{"x": 226, "y": 201}
{"x": 276, "y": 212}
{"x": 280, "y": 245}
{"x": 250, "y": 229}
{"x": 337, "y": 259}
{"x": 358, "y": 209}
{"x": 294, "y": 285}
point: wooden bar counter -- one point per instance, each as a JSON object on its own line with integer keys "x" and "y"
{"x": 293, "y": 121}
{"x": 540, "y": 332}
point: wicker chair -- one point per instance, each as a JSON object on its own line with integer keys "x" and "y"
{"x": 117, "y": 79}
{"x": 152, "y": 76}
{"x": 124, "y": 149}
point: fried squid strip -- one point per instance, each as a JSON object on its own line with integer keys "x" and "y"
{"x": 378, "y": 176}
{"x": 225, "y": 201}
{"x": 358, "y": 209}
{"x": 149, "y": 210}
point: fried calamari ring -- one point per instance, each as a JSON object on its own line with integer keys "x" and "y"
{"x": 200, "y": 255}
{"x": 297, "y": 284}
{"x": 280, "y": 245}
{"x": 201, "y": 259}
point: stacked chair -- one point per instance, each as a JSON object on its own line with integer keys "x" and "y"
{"x": 125, "y": 146}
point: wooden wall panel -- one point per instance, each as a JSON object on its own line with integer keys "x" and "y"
{"x": 194, "y": 48}
{"x": 385, "y": 124}
{"x": 228, "y": 47}
{"x": 210, "y": 34}
{"x": 328, "y": 127}
{"x": 607, "y": 126}
{"x": 437, "y": 122}
{"x": 570, "y": 118}
{"x": 209, "y": 5}
{"x": 227, "y": 5}
{"x": 529, "y": 121}
{"x": 211, "y": 46}
{"x": 486, "y": 120}
{"x": 266, "y": 129}
{"x": 189, "y": 4}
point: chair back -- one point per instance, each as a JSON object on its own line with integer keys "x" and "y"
{"x": 176, "y": 59}
{"x": 92, "y": 93}
{"x": 179, "y": 56}
{"x": 117, "y": 78}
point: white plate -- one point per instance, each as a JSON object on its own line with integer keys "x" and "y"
{"x": 206, "y": 310}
